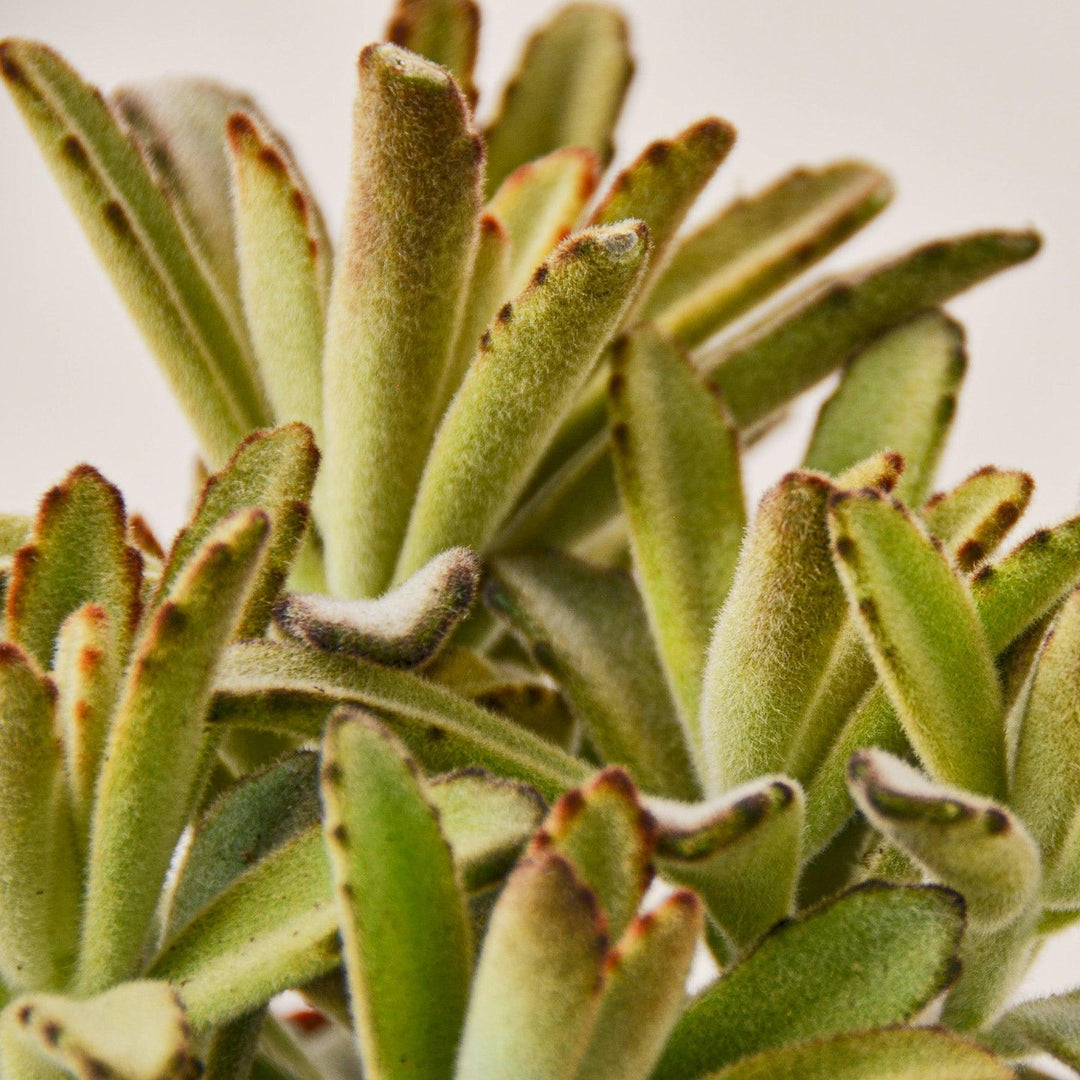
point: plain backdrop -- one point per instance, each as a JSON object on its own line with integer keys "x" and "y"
{"x": 972, "y": 108}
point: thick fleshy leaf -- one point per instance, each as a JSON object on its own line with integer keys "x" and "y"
{"x": 587, "y": 628}
{"x": 899, "y": 393}
{"x": 1045, "y": 1025}
{"x": 405, "y": 933}
{"x": 792, "y": 349}
{"x": 405, "y": 628}
{"x": 530, "y": 366}
{"x": 290, "y": 689}
{"x": 644, "y": 990}
{"x": 874, "y": 956}
{"x": 155, "y": 750}
{"x": 758, "y": 244}
{"x": 231, "y": 1050}
{"x": 98, "y": 1038}
{"x": 538, "y": 983}
{"x": 444, "y": 31}
{"x": 677, "y": 462}
{"x": 271, "y": 471}
{"x": 536, "y": 706}
{"x": 78, "y": 555}
{"x": 739, "y": 852}
{"x": 539, "y": 204}
{"x": 923, "y": 632}
{"x": 972, "y": 845}
{"x": 890, "y": 1054}
{"x": 408, "y": 242}
{"x": 568, "y": 90}
{"x": 140, "y": 242}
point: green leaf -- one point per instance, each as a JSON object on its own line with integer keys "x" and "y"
{"x": 568, "y": 90}
{"x": 923, "y": 632}
{"x": 405, "y": 933}
{"x": 645, "y": 986}
{"x": 284, "y": 262}
{"x": 405, "y": 628}
{"x": 972, "y": 845}
{"x": 538, "y": 983}
{"x": 38, "y": 875}
{"x": 891, "y": 1054}
{"x": 792, "y": 349}
{"x": 155, "y": 750}
{"x": 445, "y": 31}
{"x": 77, "y": 555}
{"x": 530, "y": 367}
{"x": 739, "y": 852}
{"x": 1048, "y": 1025}
{"x": 587, "y": 629}
{"x": 539, "y": 204}
{"x": 98, "y": 1038}
{"x": 535, "y": 706}
{"x": 874, "y": 956}
{"x": 271, "y": 471}
{"x": 15, "y": 531}
{"x": 409, "y": 237}
{"x": 898, "y": 393}
{"x": 139, "y": 241}
{"x": 232, "y": 1048}
{"x": 677, "y": 463}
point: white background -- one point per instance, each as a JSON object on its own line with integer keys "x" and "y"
{"x": 971, "y": 106}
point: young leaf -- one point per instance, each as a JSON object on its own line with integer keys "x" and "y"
{"x": 530, "y": 366}
{"x": 970, "y": 844}
{"x": 405, "y": 933}
{"x": 445, "y": 31}
{"x": 568, "y": 91}
{"x": 758, "y": 244}
{"x": 898, "y": 393}
{"x": 539, "y": 979}
{"x": 155, "y": 748}
{"x": 1045, "y": 1025}
{"x": 677, "y": 463}
{"x": 740, "y": 853}
{"x": 587, "y": 629}
{"x": 873, "y": 956}
{"x": 408, "y": 242}
{"x": 792, "y": 349}
{"x": 645, "y": 986}
{"x": 922, "y": 629}
{"x": 405, "y": 628}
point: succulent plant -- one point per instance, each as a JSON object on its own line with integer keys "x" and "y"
{"x": 295, "y": 752}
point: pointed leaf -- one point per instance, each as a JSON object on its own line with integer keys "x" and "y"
{"x": 444, "y": 31}
{"x": 972, "y": 845}
{"x": 408, "y": 242}
{"x": 1045, "y": 1025}
{"x": 587, "y": 629}
{"x": 568, "y": 90}
{"x": 874, "y": 956}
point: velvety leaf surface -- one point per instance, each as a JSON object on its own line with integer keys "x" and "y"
{"x": 1049, "y": 1024}
{"x": 444, "y": 31}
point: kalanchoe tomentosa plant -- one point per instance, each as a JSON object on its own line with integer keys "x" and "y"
{"x": 294, "y": 751}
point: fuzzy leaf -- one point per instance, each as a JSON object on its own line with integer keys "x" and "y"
{"x": 408, "y": 242}
{"x": 739, "y": 852}
{"x": 568, "y": 90}
{"x": 756, "y": 245}
{"x": 272, "y": 471}
{"x": 970, "y": 844}
{"x": 535, "y": 706}
{"x": 587, "y": 629}
{"x": 529, "y": 368}
{"x": 538, "y": 982}
{"x": 1044, "y": 1025}
{"x": 282, "y": 687}
{"x": 444, "y": 31}
{"x": 405, "y": 628}
{"x": 405, "y": 933}
{"x": 231, "y": 1050}
{"x": 890, "y": 1054}
{"x": 155, "y": 749}
{"x": 898, "y": 393}
{"x": 792, "y": 349}
{"x": 141, "y": 244}
{"x": 677, "y": 462}
{"x": 873, "y": 956}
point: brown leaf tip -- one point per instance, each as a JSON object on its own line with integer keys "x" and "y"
{"x": 506, "y": 313}
{"x": 239, "y": 127}
{"x": 10, "y": 69}
{"x": 997, "y": 821}
{"x": 540, "y": 274}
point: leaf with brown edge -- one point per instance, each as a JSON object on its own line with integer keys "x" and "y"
{"x": 740, "y": 852}
{"x": 538, "y": 983}
{"x": 568, "y": 90}
{"x": 77, "y": 555}
{"x": 403, "y": 628}
{"x": 973, "y": 845}
{"x": 444, "y": 31}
